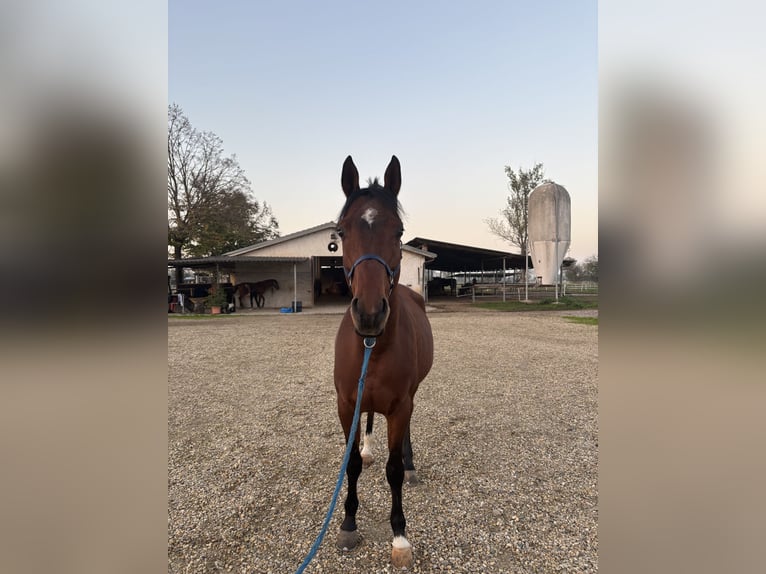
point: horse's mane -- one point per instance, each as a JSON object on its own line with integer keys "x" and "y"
{"x": 375, "y": 191}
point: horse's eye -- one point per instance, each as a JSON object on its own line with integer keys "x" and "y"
{"x": 400, "y": 233}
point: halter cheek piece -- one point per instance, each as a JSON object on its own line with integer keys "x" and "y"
{"x": 391, "y": 272}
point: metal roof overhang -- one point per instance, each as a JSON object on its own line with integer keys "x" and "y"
{"x": 223, "y": 261}
{"x": 457, "y": 258}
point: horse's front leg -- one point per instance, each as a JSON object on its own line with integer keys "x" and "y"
{"x": 348, "y": 537}
{"x": 409, "y": 466}
{"x": 367, "y": 456}
{"x": 401, "y": 553}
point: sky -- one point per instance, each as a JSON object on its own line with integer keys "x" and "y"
{"x": 456, "y": 90}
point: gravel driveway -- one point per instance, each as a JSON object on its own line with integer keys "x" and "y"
{"x": 504, "y": 433}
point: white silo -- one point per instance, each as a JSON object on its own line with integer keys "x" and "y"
{"x": 549, "y": 229}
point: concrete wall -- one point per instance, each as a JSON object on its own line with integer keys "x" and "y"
{"x": 412, "y": 271}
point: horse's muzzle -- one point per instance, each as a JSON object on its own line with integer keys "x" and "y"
{"x": 370, "y": 320}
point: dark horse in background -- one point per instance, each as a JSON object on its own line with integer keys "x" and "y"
{"x": 437, "y": 285}
{"x": 370, "y": 227}
{"x": 256, "y": 291}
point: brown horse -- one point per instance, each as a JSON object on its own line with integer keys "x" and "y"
{"x": 256, "y": 291}
{"x": 242, "y": 290}
{"x": 370, "y": 227}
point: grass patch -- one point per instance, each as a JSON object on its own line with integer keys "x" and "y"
{"x": 564, "y": 304}
{"x": 582, "y": 320}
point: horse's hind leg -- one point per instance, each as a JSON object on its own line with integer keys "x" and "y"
{"x": 367, "y": 457}
{"x": 348, "y": 537}
{"x": 409, "y": 467}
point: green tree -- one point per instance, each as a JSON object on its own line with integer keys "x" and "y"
{"x": 573, "y": 273}
{"x": 586, "y": 270}
{"x": 590, "y": 268}
{"x": 513, "y": 225}
{"x": 211, "y": 207}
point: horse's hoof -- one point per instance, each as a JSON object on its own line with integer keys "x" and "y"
{"x": 367, "y": 460}
{"x": 411, "y": 478}
{"x": 348, "y": 540}
{"x": 401, "y": 553}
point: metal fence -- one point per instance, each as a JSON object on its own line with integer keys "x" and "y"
{"x": 517, "y": 292}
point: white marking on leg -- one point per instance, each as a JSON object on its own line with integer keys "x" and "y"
{"x": 369, "y": 215}
{"x": 400, "y": 542}
{"x": 368, "y": 444}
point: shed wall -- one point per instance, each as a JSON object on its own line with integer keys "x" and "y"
{"x": 283, "y": 273}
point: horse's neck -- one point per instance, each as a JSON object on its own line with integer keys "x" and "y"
{"x": 400, "y": 302}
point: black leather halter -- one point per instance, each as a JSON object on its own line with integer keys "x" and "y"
{"x": 391, "y": 272}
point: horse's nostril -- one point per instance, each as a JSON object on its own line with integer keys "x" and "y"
{"x": 370, "y": 313}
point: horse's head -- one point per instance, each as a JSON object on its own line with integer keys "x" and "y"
{"x": 370, "y": 228}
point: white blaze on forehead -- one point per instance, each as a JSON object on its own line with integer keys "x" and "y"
{"x": 369, "y": 215}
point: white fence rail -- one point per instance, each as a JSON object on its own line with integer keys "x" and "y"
{"x": 517, "y": 291}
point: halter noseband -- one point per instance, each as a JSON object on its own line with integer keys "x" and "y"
{"x": 391, "y": 272}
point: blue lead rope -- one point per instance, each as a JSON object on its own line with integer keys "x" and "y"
{"x": 369, "y": 343}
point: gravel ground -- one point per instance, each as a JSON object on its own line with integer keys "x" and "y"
{"x": 504, "y": 432}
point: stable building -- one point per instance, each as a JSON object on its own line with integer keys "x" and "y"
{"x": 308, "y": 265}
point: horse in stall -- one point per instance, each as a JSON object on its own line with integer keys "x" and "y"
{"x": 259, "y": 288}
{"x": 256, "y": 291}
{"x": 242, "y": 291}
{"x": 437, "y": 285}
{"x": 370, "y": 228}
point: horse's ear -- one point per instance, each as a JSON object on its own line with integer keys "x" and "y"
{"x": 349, "y": 178}
{"x": 392, "y": 180}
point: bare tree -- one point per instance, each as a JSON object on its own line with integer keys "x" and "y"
{"x": 513, "y": 225}
{"x": 211, "y": 208}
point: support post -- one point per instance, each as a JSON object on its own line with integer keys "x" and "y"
{"x": 556, "y": 205}
{"x": 503, "y": 279}
{"x": 556, "y": 287}
{"x": 526, "y": 272}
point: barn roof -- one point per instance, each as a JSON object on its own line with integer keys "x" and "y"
{"x": 224, "y": 260}
{"x": 455, "y": 258}
{"x": 330, "y": 225}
